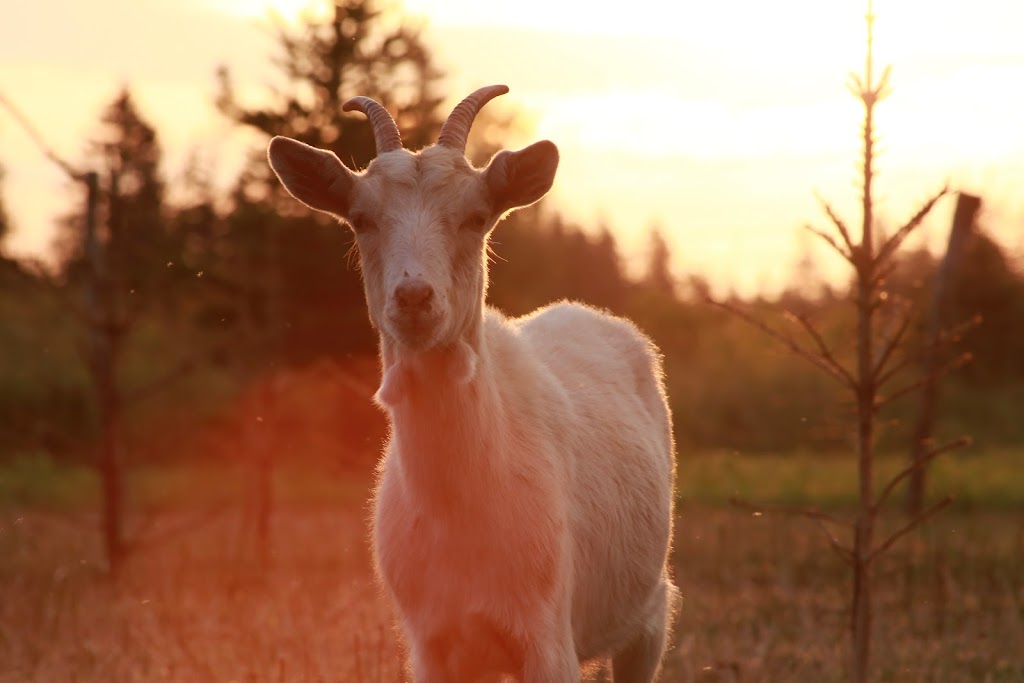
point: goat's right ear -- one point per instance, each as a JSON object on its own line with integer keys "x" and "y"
{"x": 316, "y": 177}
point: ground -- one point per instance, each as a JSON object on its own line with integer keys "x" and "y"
{"x": 764, "y": 597}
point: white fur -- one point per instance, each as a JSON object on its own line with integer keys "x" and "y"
{"x": 523, "y": 513}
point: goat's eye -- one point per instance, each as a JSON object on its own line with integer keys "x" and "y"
{"x": 474, "y": 222}
{"x": 362, "y": 223}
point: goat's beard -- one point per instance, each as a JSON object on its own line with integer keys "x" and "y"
{"x": 401, "y": 374}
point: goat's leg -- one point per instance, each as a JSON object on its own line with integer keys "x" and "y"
{"x": 640, "y": 660}
{"x": 551, "y": 662}
{"x": 426, "y": 670}
{"x": 427, "y": 662}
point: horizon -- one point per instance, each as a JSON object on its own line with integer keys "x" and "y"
{"x": 741, "y": 126}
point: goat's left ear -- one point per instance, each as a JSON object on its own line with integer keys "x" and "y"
{"x": 516, "y": 179}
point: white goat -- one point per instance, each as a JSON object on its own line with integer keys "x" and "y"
{"x": 523, "y": 512}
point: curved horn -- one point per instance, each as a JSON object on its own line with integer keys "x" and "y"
{"x": 385, "y": 130}
{"x": 456, "y": 128}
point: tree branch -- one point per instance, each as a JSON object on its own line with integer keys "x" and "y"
{"x": 838, "y": 222}
{"x": 832, "y": 243}
{"x": 954, "y": 334}
{"x": 187, "y": 525}
{"x": 946, "y": 337}
{"x": 822, "y": 363}
{"x": 893, "y": 343}
{"x": 37, "y": 138}
{"x": 916, "y": 465}
{"x": 824, "y": 351}
{"x": 908, "y": 527}
{"x": 60, "y": 295}
{"x": 884, "y": 377}
{"x": 163, "y": 381}
{"x": 844, "y": 553}
{"x": 954, "y": 364}
{"x": 893, "y": 243}
{"x": 810, "y": 513}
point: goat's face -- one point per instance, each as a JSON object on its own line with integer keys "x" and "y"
{"x": 421, "y": 223}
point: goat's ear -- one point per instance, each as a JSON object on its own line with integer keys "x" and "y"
{"x": 316, "y": 177}
{"x": 517, "y": 179}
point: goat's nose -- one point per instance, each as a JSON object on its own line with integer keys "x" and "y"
{"x": 413, "y": 294}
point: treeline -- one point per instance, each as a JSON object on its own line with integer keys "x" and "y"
{"x": 238, "y": 319}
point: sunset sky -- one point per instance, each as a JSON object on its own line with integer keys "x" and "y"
{"x": 717, "y": 121}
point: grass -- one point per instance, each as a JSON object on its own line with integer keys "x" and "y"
{"x": 990, "y": 479}
{"x": 764, "y": 598}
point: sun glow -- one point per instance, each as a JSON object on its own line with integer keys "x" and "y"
{"x": 290, "y": 11}
{"x": 717, "y": 121}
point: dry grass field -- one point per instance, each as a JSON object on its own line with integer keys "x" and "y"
{"x": 764, "y": 598}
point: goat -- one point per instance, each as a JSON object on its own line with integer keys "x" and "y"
{"x": 523, "y": 508}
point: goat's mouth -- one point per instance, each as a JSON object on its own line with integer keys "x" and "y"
{"x": 416, "y": 331}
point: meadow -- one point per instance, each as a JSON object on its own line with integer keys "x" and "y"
{"x": 764, "y": 597}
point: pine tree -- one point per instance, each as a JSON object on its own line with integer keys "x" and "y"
{"x": 132, "y": 227}
{"x": 5, "y": 222}
{"x": 659, "y": 269}
{"x": 351, "y": 53}
{"x": 301, "y": 297}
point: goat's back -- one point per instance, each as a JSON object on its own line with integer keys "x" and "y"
{"x": 618, "y": 453}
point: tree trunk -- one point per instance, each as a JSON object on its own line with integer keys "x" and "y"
{"x": 860, "y": 622}
{"x": 864, "y": 526}
{"x": 111, "y": 473}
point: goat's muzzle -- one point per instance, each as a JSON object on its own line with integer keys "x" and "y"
{"x": 413, "y": 295}
{"x": 414, "y": 315}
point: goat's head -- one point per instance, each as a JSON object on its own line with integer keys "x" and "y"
{"x": 421, "y": 220}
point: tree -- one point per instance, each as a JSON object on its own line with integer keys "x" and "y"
{"x": 351, "y": 53}
{"x": 5, "y": 221}
{"x": 288, "y": 264}
{"x": 987, "y": 284}
{"x": 874, "y": 370}
{"x": 118, "y": 253}
{"x": 658, "y": 275}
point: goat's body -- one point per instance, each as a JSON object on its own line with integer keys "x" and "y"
{"x": 523, "y": 518}
{"x": 524, "y": 506}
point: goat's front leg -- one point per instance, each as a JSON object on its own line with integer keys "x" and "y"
{"x": 427, "y": 663}
{"x": 551, "y": 661}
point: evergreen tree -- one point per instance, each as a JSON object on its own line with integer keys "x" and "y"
{"x": 658, "y": 275}
{"x": 5, "y": 222}
{"x": 300, "y": 295}
{"x": 351, "y": 53}
{"x": 988, "y": 285}
{"x": 132, "y": 228}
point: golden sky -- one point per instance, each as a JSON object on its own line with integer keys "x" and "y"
{"x": 717, "y": 121}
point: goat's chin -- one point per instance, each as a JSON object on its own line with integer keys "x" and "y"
{"x": 416, "y": 335}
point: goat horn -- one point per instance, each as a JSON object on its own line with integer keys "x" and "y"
{"x": 385, "y": 130}
{"x": 456, "y": 128}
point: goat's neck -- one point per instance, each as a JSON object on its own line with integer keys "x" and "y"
{"x": 446, "y": 418}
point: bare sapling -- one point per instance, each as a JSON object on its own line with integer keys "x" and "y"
{"x": 872, "y": 379}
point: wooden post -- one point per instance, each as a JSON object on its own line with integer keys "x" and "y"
{"x": 103, "y": 343}
{"x": 967, "y": 207}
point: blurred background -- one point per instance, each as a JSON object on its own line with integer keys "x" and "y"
{"x": 185, "y": 351}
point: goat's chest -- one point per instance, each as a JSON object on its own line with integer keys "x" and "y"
{"x": 475, "y": 558}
